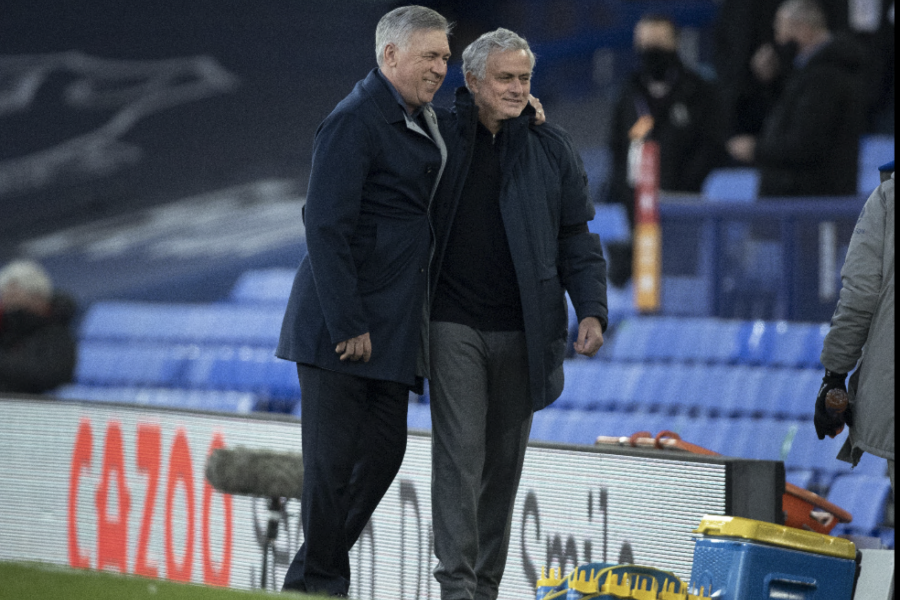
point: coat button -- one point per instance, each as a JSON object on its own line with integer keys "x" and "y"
{"x": 429, "y": 170}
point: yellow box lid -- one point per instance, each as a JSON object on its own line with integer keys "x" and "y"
{"x": 777, "y": 535}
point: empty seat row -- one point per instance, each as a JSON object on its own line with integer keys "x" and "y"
{"x": 212, "y": 400}
{"x": 792, "y": 441}
{"x": 717, "y": 341}
{"x": 263, "y": 286}
{"x": 186, "y": 323}
{"x": 189, "y": 366}
{"x": 698, "y": 389}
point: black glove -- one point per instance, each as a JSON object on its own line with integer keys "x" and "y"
{"x": 828, "y": 421}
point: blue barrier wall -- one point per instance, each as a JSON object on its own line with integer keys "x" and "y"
{"x": 773, "y": 259}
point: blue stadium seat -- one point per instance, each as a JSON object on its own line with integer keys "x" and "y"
{"x": 610, "y": 223}
{"x": 630, "y": 379}
{"x": 579, "y": 427}
{"x": 643, "y": 391}
{"x": 263, "y": 286}
{"x": 864, "y": 497}
{"x": 245, "y": 368}
{"x": 608, "y": 386}
{"x": 117, "y": 363}
{"x": 684, "y": 391}
{"x": 802, "y": 478}
{"x": 814, "y": 345}
{"x": 805, "y": 450}
{"x": 755, "y": 339}
{"x": 795, "y": 392}
{"x": 632, "y": 339}
{"x": 789, "y": 344}
{"x": 582, "y": 377}
{"x": 183, "y": 323}
{"x": 712, "y": 340}
{"x": 669, "y": 334}
{"x": 219, "y": 401}
{"x": 418, "y": 416}
{"x": 670, "y": 392}
{"x": 731, "y": 185}
{"x": 874, "y": 151}
{"x": 711, "y": 381}
{"x": 544, "y": 424}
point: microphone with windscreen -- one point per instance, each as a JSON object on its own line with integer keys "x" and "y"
{"x": 270, "y": 474}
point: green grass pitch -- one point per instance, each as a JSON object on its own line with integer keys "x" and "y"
{"x": 44, "y": 581}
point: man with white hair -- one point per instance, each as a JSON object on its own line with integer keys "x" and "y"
{"x": 37, "y": 348}
{"x": 355, "y": 321}
{"x": 512, "y": 238}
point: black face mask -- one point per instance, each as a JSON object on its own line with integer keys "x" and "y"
{"x": 786, "y": 53}
{"x": 656, "y": 62}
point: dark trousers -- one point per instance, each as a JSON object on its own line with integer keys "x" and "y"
{"x": 354, "y": 438}
{"x": 481, "y": 418}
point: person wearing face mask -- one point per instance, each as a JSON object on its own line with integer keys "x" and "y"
{"x": 665, "y": 101}
{"x": 809, "y": 141}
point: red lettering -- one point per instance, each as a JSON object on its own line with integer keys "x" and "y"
{"x": 112, "y": 535}
{"x": 211, "y": 575}
{"x": 148, "y": 462}
{"x": 81, "y": 459}
{"x": 180, "y": 471}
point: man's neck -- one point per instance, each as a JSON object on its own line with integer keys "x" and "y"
{"x": 492, "y": 125}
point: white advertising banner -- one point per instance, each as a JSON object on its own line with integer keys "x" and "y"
{"x": 122, "y": 488}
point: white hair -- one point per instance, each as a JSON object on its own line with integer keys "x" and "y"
{"x": 28, "y": 276}
{"x": 475, "y": 55}
{"x": 397, "y": 27}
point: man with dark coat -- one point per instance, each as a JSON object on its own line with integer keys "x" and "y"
{"x": 666, "y": 102}
{"x": 355, "y": 321}
{"x": 809, "y": 143}
{"x": 37, "y": 347}
{"x": 512, "y": 238}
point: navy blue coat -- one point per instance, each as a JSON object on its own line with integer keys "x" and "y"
{"x": 544, "y": 193}
{"x": 369, "y": 238}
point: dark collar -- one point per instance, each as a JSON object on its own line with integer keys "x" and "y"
{"x": 387, "y": 98}
{"x": 467, "y": 112}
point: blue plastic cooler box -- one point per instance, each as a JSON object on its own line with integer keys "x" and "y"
{"x": 743, "y": 559}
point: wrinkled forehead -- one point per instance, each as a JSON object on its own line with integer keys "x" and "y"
{"x": 427, "y": 40}
{"x": 514, "y": 62}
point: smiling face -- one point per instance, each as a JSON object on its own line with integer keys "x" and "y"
{"x": 503, "y": 93}
{"x": 418, "y": 69}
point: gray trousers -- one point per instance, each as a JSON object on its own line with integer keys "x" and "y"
{"x": 481, "y": 419}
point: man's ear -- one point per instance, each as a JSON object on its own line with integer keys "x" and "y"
{"x": 472, "y": 82}
{"x": 390, "y": 55}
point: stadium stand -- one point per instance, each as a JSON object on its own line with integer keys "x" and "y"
{"x": 733, "y": 184}
{"x": 866, "y": 498}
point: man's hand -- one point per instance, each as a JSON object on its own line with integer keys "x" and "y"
{"x": 765, "y": 63}
{"x": 590, "y": 336}
{"x": 356, "y": 348}
{"x": 828, "y": 418}
{"x": 742, "y": 148}
{"x": 540, "y": 118}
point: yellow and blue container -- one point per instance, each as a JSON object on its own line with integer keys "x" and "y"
{"x": 608, "y": 581}
{"x": 743, "y": 559}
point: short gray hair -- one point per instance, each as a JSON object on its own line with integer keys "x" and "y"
{"x": 28, "y": 276}
{"x": 397, "y": 26}
{"x": 808, "y": 12}
{"x": 475, "y": 55}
